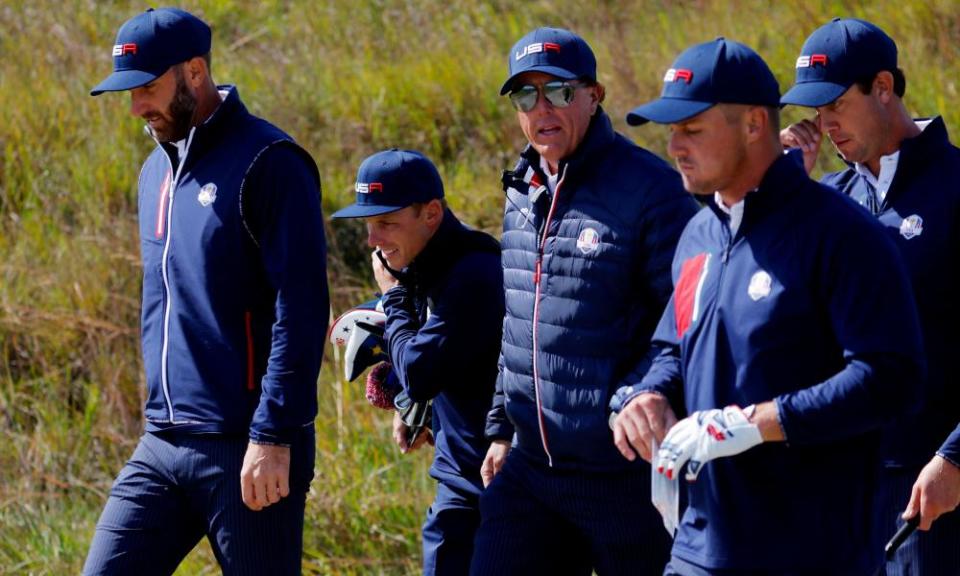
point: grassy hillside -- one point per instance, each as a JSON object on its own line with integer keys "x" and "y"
{"x": 346, "y": 78}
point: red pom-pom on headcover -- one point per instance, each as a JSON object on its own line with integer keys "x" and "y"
{"x": 380, "y": 389}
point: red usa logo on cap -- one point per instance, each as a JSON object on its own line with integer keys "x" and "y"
{"x": 677, "y": 74}
{"x": 372, "y": 187}
{"x": 124, "y": 49}
{"x": 537, "y": 47}
{"x": 812, "y": 60}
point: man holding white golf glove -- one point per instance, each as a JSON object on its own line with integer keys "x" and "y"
{"x": 788, "y": 300}
{"x": 706, "y": 435}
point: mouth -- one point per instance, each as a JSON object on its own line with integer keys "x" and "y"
{"x": 549, "y": 131}
{"x": 154, "y": 121}
{"x": 388, "y": 253}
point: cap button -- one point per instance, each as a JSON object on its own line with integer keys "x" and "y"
{"x": 836, "y": 19}
{"x": 719, "y": 39}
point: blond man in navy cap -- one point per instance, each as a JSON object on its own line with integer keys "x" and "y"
{"x": 443, "y": 298}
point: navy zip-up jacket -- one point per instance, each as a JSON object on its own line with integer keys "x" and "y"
{"x": 921, "y": 213}
{"x": 443, "y": 337}
{"x": 587, "y": 274}
{"x": 235, "y": 297}
{"x": 810, "y": 306}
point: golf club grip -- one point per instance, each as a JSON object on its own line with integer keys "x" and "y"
{"x": 902, "y": 534}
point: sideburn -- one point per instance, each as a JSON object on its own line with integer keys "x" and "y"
{"x": 182, "y": 107}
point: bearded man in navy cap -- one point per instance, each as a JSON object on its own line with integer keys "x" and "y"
{"x": 234, "y": 313}
{"x": 442, "y": 292}
{"x": 589, "y": 229}
{"x": 903, "y": 172}
{"x": 773, "y": 345}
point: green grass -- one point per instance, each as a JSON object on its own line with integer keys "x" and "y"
{"x": 346, "y": 78}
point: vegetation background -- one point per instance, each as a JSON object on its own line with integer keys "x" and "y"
{"x": 346, "y": 78}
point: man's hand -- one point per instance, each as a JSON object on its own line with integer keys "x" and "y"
{"x": 385, "y": 280}
{"x": 936, "y": 492}
{"x": 645, "y": 418}
{"x": 493, "y": 462}
{"x": 805, "y": 135}
{"x": 704, "y": 436}
{"x": 401, "y": 435}
{"x": 265, "y": 476}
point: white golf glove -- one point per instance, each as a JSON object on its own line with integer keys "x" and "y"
{"x": 665, "y": 495}
{"x": 703, "y": 436}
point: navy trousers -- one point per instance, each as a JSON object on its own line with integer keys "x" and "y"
{"x": 934, "y": 552}
{"x": 538, "y": 520}
{"x": 449, "y": 531}
{"x": 178, "y": 488}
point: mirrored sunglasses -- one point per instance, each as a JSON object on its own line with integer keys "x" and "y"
{"x": 558, "y": 93}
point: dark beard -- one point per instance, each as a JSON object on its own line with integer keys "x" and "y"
{"x": 181, "y": 112}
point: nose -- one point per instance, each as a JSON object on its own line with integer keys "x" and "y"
{"x": 137, "y": 103}
{"x": 373, "y": 237}
{"x": 673, "y": 145}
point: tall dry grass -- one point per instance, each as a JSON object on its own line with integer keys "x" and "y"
{"x": 346, "y": 78}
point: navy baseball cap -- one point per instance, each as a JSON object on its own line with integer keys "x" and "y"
{"x": 553, "y": 51}
{"x": 715, "y": 72}
{"x": 837, "y": 55}
{"x": 392, "y": 180}
{"x": 150, "y": 43}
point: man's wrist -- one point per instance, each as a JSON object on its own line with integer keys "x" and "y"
{"x": 262, "y": 442}
{"x": 766, "y": 417}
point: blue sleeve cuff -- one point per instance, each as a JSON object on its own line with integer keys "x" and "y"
{"x": 625, "y": 394}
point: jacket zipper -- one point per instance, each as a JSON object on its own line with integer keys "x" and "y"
{"x": 164, "y": 354}
{"x": 536, "y": 318}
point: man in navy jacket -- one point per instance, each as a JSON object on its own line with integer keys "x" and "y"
{"x": 778, "y": 289}
{"x": 589, "y": 230}
{"x": 234, "y": 313}
{"x": 442, "y": 291}
{"x": 904, "y": 173}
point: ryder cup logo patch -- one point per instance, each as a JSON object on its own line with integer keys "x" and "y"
{"x": 588, "y": 241}
{"x": 760, "y": 284}
{"x": 208, "y": 194}
{"x": 911, "y": 226}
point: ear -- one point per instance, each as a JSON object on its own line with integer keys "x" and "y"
{"x": 755, "y": 123}
{"x": 434, "y": 211}
{"x": 883, "y": 86}
{"x": 195, "y": 71}
{"x": 597, "y": 94}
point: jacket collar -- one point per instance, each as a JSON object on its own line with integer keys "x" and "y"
{"x": 785, "y": 176}
{"x": 600, "y": 134}
{"x": 436, "y": 257}
{"x": 208, "y": 134}
{"x": 917, "y": 152}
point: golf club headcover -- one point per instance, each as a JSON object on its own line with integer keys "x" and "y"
{"x": 360, "y": 330}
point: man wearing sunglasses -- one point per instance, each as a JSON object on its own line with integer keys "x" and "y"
{"x": 443, "y": 297}
{"x": 590, "y": 225}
